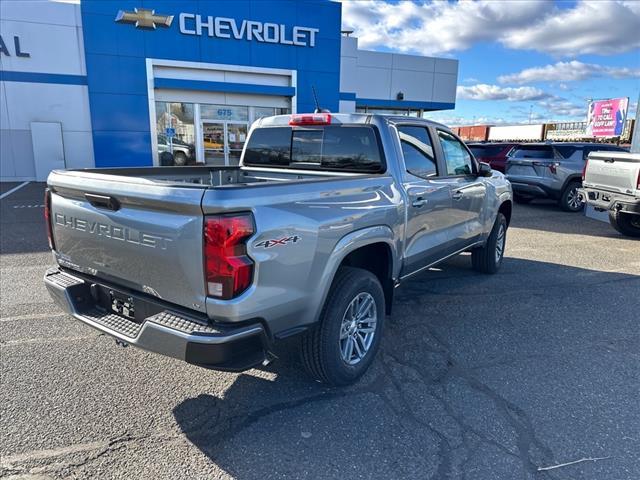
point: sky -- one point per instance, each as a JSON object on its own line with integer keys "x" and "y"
{"x": 538, "y": 59}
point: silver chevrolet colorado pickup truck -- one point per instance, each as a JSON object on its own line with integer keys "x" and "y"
{"x": 310, "y": 235}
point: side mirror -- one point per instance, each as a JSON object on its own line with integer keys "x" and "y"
{"x": 484, "y": 170}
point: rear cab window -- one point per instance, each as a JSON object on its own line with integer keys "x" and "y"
{"x": 348, "y": 148}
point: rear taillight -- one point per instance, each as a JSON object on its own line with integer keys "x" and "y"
{"x": 310, "y": 119}
{"x": 584, "y": 169}
{"x": 228, "y": 268}
{"x": 47, "y": 217}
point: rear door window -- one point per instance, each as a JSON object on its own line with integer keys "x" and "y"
{"x": 417, "y": 151}
{"x": 347, "y": 148}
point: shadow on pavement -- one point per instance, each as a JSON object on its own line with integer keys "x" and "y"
{"x": 548, "y": 217}
{"x": 462, "y": 383}
{"x": 22, "y": 227}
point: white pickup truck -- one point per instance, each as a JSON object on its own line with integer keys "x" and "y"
{"x": 611, "y": 182}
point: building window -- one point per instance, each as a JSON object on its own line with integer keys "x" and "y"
{"x": 175, "y": 133}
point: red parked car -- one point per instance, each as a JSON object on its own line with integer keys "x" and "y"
{"x": 495, "y": 154}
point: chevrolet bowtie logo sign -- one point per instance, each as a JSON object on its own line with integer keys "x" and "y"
{"x": 144, "y": 18}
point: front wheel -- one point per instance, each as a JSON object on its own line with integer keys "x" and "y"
{"x": 626, "y": 223}
{"x": 344, "y": 343}
{"x": 570, "y": 200}
{"x": 488, "y": 259}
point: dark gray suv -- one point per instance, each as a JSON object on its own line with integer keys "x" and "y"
{"x": 551, "y": 170}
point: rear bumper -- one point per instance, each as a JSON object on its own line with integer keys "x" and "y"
{"x": 603, "y": 200}
{"x": 532, "y": 189}
{"x": 167, "y": 332}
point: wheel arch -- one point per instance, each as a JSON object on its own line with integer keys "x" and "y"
{"x": 372, "y": 249}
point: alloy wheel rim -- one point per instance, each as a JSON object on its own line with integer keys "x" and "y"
{"x": 358, "y": 328}
{"x": 500, "y": 240}
{"x": 573, "y": 199}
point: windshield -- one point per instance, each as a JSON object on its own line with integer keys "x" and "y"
{"x": 348, "y": 148}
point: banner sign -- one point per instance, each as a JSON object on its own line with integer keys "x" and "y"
{"x": 606, "y": 117}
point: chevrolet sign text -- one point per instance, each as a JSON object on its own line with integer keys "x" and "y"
{"x": 223, "y": 27}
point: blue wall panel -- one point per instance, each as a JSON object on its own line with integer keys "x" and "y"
{"x": 116, "y": 67}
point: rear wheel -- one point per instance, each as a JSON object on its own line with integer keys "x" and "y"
{"x": 344, "y": 343}
{"x": 626, "y": 223}
{"x": 488, "y": 259}
{"x": 570, "y": 200}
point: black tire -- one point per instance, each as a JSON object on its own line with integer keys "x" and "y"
{"x": 522, "y": 200}
{"x": 626, "y": 223}
{"x": 166, "y": 159}
{"x": 179, "y": 159}
{"x": 484, "y": 259}
{"x": 321, "y": 346}
{"x": 568, "y": 198}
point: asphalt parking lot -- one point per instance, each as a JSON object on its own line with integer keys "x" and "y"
{"x": 479, "y": 377}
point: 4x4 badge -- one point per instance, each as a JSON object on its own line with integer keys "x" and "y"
{"x": 278, "y": 241}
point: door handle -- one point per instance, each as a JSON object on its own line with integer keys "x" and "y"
{"x": 457, "y": 195}
{"x": 419, "y": 202}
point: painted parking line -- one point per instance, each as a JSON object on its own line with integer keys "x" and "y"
{"x": 14, "y": 189}
{"x": 34, "y": 205}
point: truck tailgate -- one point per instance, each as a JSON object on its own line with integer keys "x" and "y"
{"x": 613, "y": 171}
{"x": 139, "y": 234}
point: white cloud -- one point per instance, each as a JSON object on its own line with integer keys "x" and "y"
{"x": 567, "y": 72}
{"x": 560, "y": 107}
{"x": 482, "y": 91}
{"x": 601, "y": 27}
{"x": 591, "y": 27}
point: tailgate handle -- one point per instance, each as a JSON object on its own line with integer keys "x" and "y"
{"x": 102, "y": 201}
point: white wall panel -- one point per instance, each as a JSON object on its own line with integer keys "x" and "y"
{"x": 413, "y": 62}
{"x": 48, "y": 150}
{"x": 46, "y": 102}
{"x": 349, "y": 46}
{"x": 7, "y": 168}
{"x": 347, "y": 106}
{"x": 444, "y": 87}
{"x": 416, "y": 86}
{"x": 52, "y": 48}
{"x": 374, "y": 82}
{"x": 446, "y": 65}
{"x": 57, "y": 13}
{"x": 22, "y": 154}
{"x": 348, "y": 74}
{"x": 374, "y": 59}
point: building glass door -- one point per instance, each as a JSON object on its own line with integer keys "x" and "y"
{"x": 223, "y": 141}
{"x": 213, "y": 135}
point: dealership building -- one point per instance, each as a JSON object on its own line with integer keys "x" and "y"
{"x": 137, "y": 83}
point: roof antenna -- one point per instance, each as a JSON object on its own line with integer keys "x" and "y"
{"x": 315, "y": 99}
